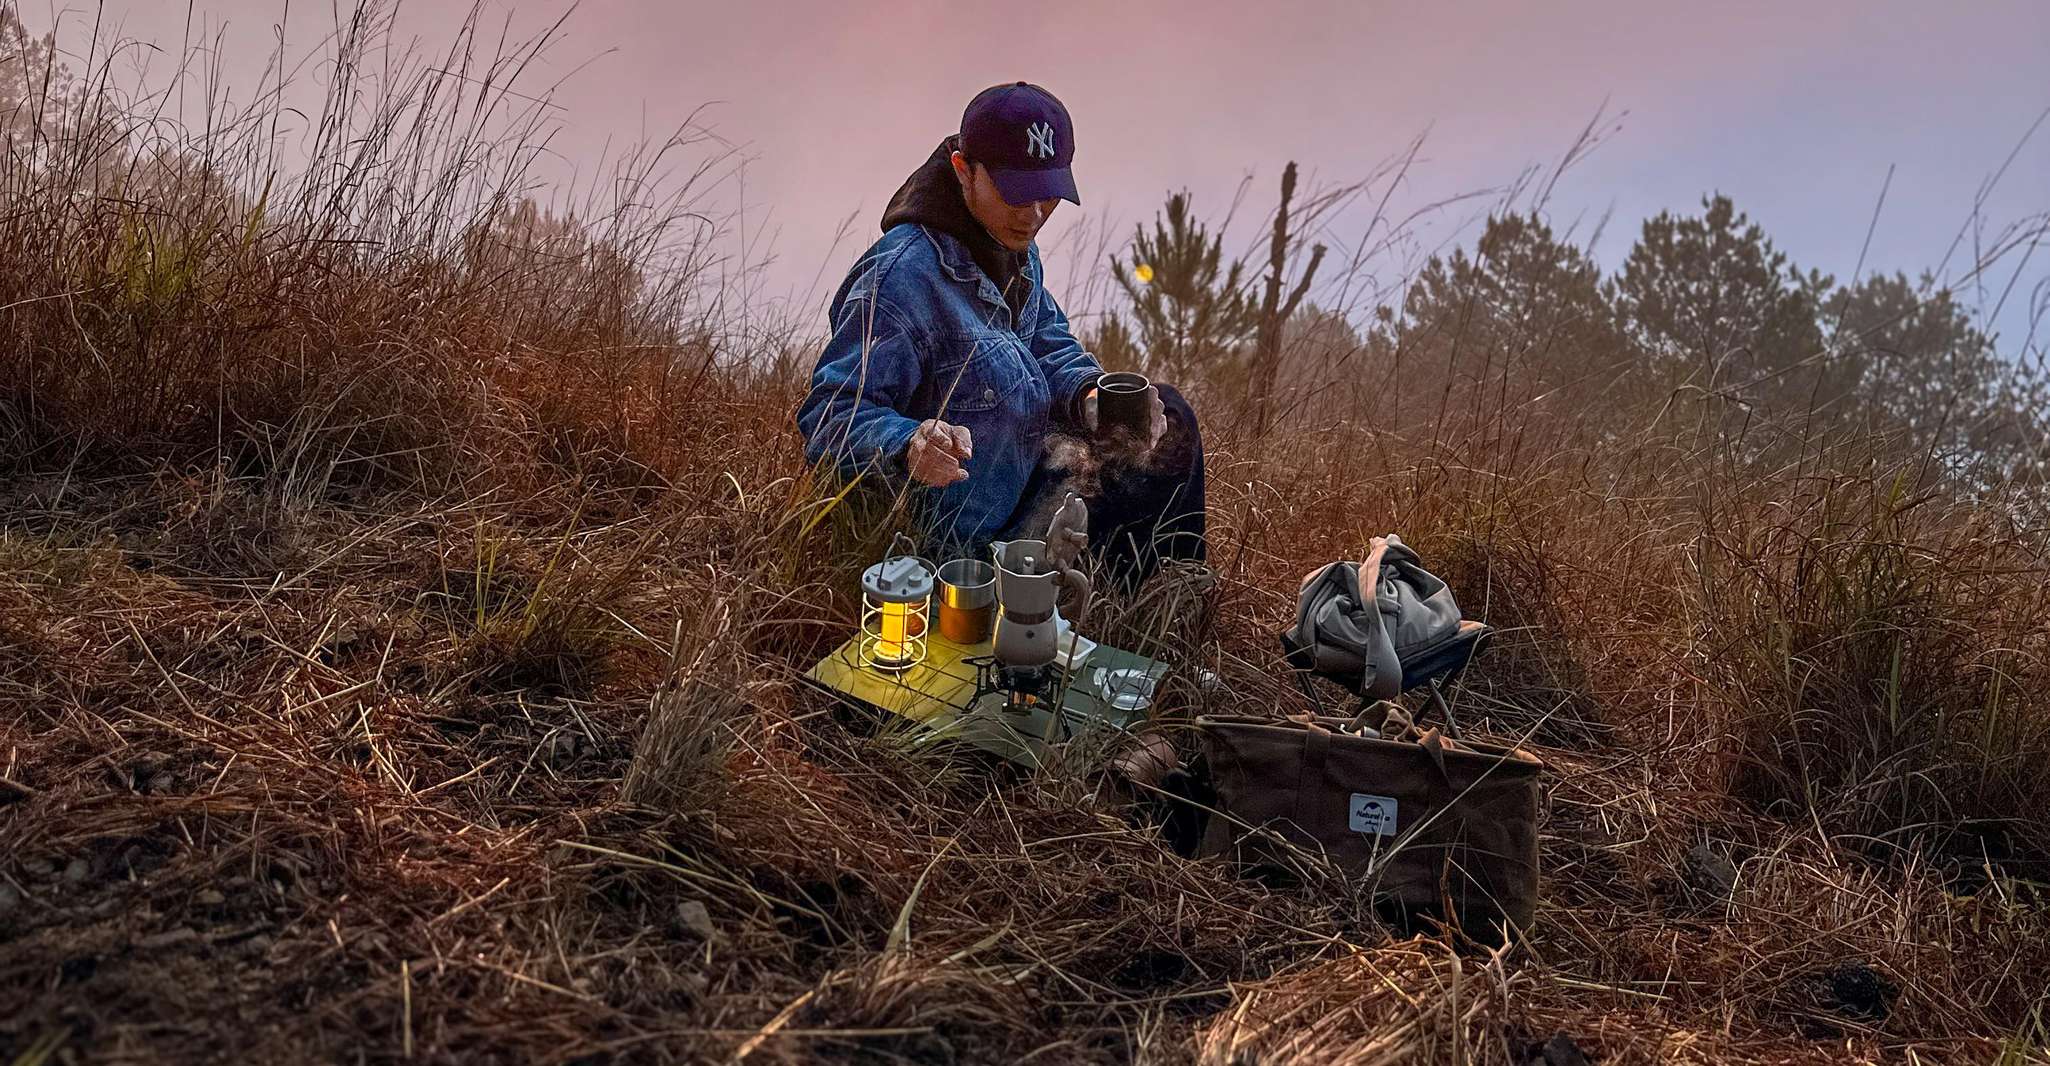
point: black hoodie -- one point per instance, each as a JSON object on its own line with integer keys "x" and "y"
{"x": 931, "y": 197}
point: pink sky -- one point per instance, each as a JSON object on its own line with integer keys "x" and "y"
{"x": 1794, "y": 109}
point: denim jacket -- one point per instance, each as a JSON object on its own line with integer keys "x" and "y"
{"x": 920, "y": 331}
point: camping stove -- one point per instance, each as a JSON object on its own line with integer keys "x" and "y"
{"x": 1018, "y": 693}
{"x": 1018, "y": 689}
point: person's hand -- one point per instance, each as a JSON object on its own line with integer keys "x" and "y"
{"x": 936, "y": 453}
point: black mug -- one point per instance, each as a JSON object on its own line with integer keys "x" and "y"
{"x": 1124, "y": 405}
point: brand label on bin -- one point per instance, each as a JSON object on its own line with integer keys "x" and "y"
{"x": 1372, "y": 814}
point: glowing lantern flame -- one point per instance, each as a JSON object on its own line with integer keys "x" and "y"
{"x": 896, "y": 632}
{"x": 1144, "y": 272}
{"x": 896, "y": 595}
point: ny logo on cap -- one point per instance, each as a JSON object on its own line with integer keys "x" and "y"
{"x": 1039, "y": 140}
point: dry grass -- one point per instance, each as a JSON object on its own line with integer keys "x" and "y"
{"x": 400, "y": 619}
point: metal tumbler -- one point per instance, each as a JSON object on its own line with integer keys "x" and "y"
{"x": 968, "y": 600}
{"x": 1124, "y": 405}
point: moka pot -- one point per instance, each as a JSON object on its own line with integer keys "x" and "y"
{"x": 1028, "y": 586}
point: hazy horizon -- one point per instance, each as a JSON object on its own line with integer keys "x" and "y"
{"x": 1795, "y": 114}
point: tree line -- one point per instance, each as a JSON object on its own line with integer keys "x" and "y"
{"x": 1705, "y": 321}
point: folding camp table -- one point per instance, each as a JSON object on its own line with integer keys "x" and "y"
{"x": 940, "y": 696}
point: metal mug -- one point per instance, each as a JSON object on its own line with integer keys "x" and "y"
{"x": 1124, "y": 405}
{"x": 967, "y": 600}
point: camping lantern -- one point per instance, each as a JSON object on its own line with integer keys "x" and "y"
{"x": 896, "y": 597}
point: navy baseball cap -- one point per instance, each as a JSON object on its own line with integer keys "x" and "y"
{"x": 1022, "y": 134}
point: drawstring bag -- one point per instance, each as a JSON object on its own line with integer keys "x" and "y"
{"x": 1436, "y": 827}
{"x": 1362, "y": 621}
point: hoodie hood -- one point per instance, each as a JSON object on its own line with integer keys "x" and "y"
{"x": 931, "y": 197}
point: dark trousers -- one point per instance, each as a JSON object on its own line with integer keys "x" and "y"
{"x": 1143, "y": 509}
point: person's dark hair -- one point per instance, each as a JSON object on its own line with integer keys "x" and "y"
{"x": 972, "y": 162}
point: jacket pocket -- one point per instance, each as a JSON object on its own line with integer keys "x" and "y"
{"x": 991, "y": 369}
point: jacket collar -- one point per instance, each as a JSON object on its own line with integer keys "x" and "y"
{"x": 958, "y": 264}
{"x": 954, "y": 257}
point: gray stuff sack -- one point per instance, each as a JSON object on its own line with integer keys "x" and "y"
{"x": 1364, "y": 620}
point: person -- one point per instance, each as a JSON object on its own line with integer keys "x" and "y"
{"x": 952, "y": 374}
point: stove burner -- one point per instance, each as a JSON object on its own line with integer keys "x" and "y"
{"x": 1018, "y": 690}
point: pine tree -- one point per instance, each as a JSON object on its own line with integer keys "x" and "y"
{"x": 1712, "y": 301}
{"x": 1113, "y": 345}
{"x": 1925, "y": 372}
{"x": 1520, "y": 320}
{"x": 1190, "y": 307}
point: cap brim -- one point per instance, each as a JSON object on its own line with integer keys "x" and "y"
{"x": 1019, "y": 187}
